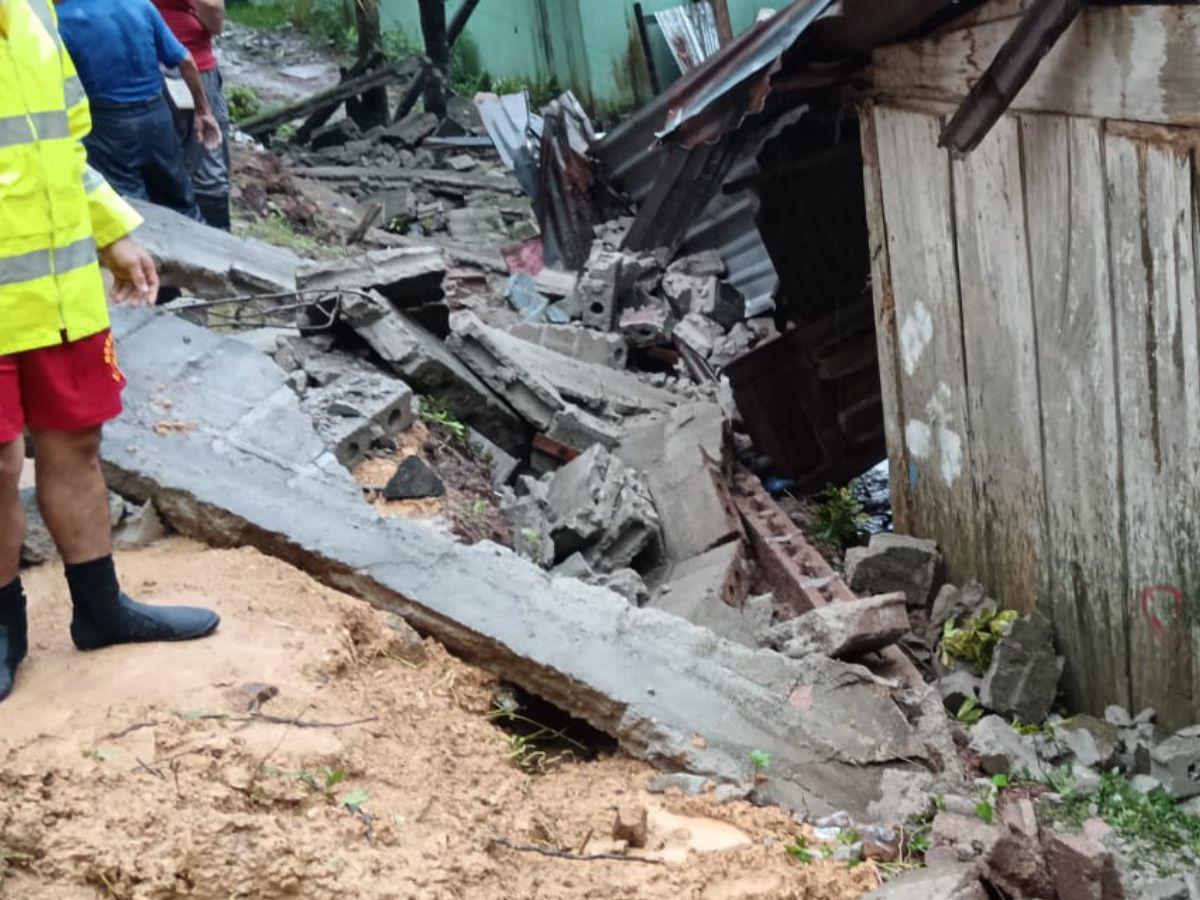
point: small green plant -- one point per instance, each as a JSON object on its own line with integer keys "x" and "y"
{"x": 969, "y": 713}
{"x": 985, "y": 811}
{"x": 526, "y": 751}
{"x": 354, "y": 800}
{"x": 974, "y": 642}
{"x": 919, "y": 843}
{"x": 244, "y": 102}
{"x": 324, "y": 784}
{"x": 276, "y": 229}
{"x": 760, "y": 760}
{"x": 839, "y": 519}
{"x": 435, "y": 411}
{"x": 800, "y": 850}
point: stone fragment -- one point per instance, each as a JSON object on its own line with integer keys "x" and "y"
{"x": 1176, "y": 764}
{"x": 895, "y": 562}
{"x": 1002, "y": 750}
{"x": 706, "y": 263}
{"x": 474, "y": 223}
{"x": 700, "y": 333}
{"x": 646, "y": 326}
{"x": 501, "y": 465}
{"x": 556, "y": 283}
{"x": 968, "y": 837}
{"x": 1145, "y": 784}
{"x": 732, "y": 346}
{"x": 335, "y": 134}
{"x": 1022, "y": 680}
{"x": 1083, "y": 869}
{"x": 903, "y": 797}
{"x": 844, "y": 630}
{"x": 1119, "y": 716}
{"x": 1086, "y": 781}
{"x": 414, "y": 480}
{"x": 406, "y": 643}
{"x": 957, "y": 881}
{"x": 626, "y": 582}
{"x": 631, "y": 825}
{"x": 141, "y": 527}
{"x": 1092, "y": 742}
{"x": 462, "y": 162}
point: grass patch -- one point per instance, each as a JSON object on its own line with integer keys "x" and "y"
{"x": 1157, "y": 831}
{"x": 276, "y": 229}
{"x": 254, "y": 15}
{"x": 840, "y": 518}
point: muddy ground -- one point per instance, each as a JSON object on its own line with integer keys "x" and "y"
{"x": 142, "y": 773}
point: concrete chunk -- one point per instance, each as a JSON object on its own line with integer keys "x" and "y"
{"x": 1083, "y": 869}
{"x": 1092, "y": 742}
{"x": 424, "y": 362}
{"x": 1176, "y": 763}
{"x": 1002, "y": 750}
{"x": 358, "y": 409}
{"x": 1022, "y": 680}
{"x": 408, "y": 276}
{"x": 895, "y": 562}
{"x": 598, "y": 347}
{"x": 709, "y": 589}
{"x": 643, "y": 676}
{"x": 844, "y": 630}
{"x": 959, "y": 881}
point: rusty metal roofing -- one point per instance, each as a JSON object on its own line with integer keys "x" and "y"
{"x": 691, "y": 33}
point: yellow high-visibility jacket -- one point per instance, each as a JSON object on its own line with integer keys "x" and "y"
{"x": 54, "y": 209}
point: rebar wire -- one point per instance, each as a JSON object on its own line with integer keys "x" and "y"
{"x": 246, "y": 311}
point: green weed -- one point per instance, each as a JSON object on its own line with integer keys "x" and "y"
{"x": 760, "y": 760}
{"x": 800, "y": 850}
{"x": 244, "y": 102}
{"x": 257, "y": 15}
{"x": 969, "y": 713}
{"x": 1159, "y": 833}
{"x": 974, "y": 642}
{"x": 840, "y": 518}
{"x": 276, "y": 229}
{"x": 527, "y": 751}
{"x": 435, "y": 411}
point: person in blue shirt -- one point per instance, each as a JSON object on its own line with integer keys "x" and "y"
{"x": 118, "y": 47}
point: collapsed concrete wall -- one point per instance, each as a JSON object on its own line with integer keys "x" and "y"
{"x": 240, "y": 464}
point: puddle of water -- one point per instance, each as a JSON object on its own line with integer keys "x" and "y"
{"x": 686, "y": 834}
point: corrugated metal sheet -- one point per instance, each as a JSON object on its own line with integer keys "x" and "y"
{"x": 691, "y": 33}
{"x": 510, "y": 123}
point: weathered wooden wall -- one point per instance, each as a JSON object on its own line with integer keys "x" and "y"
{"x": 1037, "y": 325}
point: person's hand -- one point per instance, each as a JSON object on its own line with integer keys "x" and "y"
{"x": 135, "y": 279}
{"x": 208, "y": 132}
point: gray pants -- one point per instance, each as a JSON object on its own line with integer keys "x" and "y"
{"x": 210, "y": 168}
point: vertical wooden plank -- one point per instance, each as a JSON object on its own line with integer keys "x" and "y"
{"x": 1066, "y": 212}
{"x": 1000, "y": 346}
{"x": 885, "y": 318}
{"x": 1153, "y": 269}
{"x": 936, "y": 459}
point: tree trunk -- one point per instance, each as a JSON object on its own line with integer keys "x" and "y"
{"x": 372, "y": 109}
{"x": 433, "y": 28}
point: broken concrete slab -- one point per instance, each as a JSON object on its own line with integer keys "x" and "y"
{"x": 475, "y": 223}
{"x": 407, "y": 276}
{"x": 539, "y": 382}
{"x": 210, "y": 263}
{"x": 681, "y": 455}
{"x": 645, "y": 677}
{"x": 410, "y": 131}
{"x": 895, "y": 562}
{"x": 846, "y": 630}
{"x": 424, "y": 362}
{"x": 584, "y": 344}
{"x": 1022, "y": 680}
{"x": 502, "y": 466}
{"x": 709, "y": 590}
{"x": 414, "y": 480}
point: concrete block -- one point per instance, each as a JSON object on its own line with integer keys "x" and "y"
{"x": 356, "y": 410}
{"x": 1022, "y": 680}
{"x": 845, "y": 630}
{"x": 425, "y": 363}
{"x": 584, "y": 344}
{"x": 895, "y": 562}
{"x": 645, "y": 677}
{"x": 1176, "y": 764}
{"x": 503, "y": 465}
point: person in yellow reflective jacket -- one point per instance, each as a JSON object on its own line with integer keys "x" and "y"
{"x": 59, "y": 375}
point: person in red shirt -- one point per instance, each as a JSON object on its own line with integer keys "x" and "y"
{"x": 195, "y": 23}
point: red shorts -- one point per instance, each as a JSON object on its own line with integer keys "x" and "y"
{"x": 67, "y": 387}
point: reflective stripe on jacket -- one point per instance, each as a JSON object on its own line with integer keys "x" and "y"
{"x": 54, "y": 210}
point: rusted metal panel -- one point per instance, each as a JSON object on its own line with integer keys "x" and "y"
{"x": 691, "y": 33}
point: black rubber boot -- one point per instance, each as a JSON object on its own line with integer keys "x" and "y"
{"x": 105, "y": 616}
{"x": 215, "y": 211}
{"x": 14, "y": 634}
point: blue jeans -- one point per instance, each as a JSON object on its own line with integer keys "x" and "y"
{"x": 135, "y": 146}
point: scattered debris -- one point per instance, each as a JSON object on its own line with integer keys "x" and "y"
{"x": 846, "y": 630}
{"x": 414, "y": 480}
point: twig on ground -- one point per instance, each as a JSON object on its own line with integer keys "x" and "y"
{"x": 149, "y": 768}
{"x": 574, "y": 857}
{"x": 137, "y": 726}
{"x": 280, "y": 720}
{"x": 279, "y": 743}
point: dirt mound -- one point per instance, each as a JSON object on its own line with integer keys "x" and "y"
{"x": 300, "y": 753}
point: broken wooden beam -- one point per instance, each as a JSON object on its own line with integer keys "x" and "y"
{"x": 266, "y": 123}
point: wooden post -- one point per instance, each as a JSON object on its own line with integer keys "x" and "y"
{"x": 433, "y": 28}
{"x": 724, "y": 25}
{"x": 655, "y": 84}
{"x": 372, "y": 108}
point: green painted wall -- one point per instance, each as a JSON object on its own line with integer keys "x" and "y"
{"x": 589, "y": 46}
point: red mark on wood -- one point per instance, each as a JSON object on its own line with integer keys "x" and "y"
{"x": 1164, "y": 597}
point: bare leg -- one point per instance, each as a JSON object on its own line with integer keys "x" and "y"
{"x": 72, "y": 494}
{"x": 12, "y": 515}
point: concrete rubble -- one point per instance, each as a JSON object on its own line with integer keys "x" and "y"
{"x": 650, "y": 679}
{"x": 1022, "y": 680}
{"x": 895, "y": 562}
{"x": 843, "y": 630}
